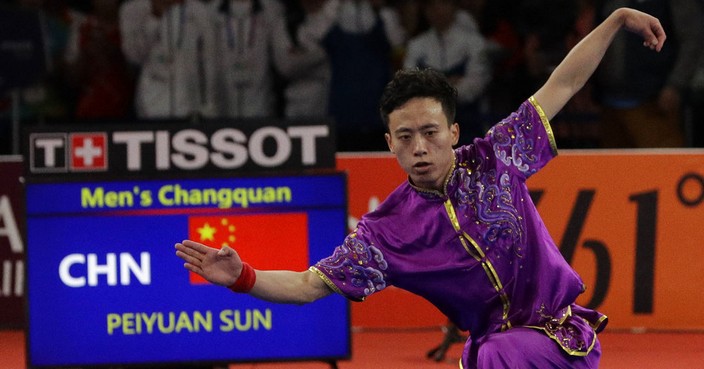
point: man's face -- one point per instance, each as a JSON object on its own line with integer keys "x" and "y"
{"x": 422, "y": 140}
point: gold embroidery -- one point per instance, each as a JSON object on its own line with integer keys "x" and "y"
{"x": 570, "y": 351}
{"x": 552, "y": 326}
{"x": 330, "y": 284}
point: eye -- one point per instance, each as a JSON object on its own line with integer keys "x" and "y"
{"x": 404, "y": 137}
{"x": 430, "y": 133}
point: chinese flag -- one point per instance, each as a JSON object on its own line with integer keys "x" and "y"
{"x": 265, "y": 241}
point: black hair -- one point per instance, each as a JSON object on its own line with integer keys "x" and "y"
{"x": 408, "y": 84}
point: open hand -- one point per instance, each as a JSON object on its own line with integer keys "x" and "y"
{"x": 221, "y": 267}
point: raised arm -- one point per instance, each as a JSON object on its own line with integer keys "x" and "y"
{"x": 579, "y": 64}
{"x": 224, "y": 267}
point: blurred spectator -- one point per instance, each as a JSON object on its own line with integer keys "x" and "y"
{"x": 360, "y": 45}
{"x": 642, "y": 103}
{"x": 545, "y": 35}
{"x": 21, "y": 68}
{"x": 243, "y": 37}
{"x": 171, "y": 43}
{"x": 454, "y": 46}
{"x": 97, "y": 65}
{"x": 52, "y": 98}
{"x": 412, "y": 23}
{"x": 497, "y": 23}
{"x": 301, "y": 59}
{"x": 410, "y": 16}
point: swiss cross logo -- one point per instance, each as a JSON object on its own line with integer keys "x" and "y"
{"x": 88, "y": 151}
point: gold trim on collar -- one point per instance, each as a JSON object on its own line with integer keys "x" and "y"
{"x": 444, "y": 185}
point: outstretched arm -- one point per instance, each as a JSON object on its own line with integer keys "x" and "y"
{"x": 223, "y": 267}
{"x": 579, "y": 64}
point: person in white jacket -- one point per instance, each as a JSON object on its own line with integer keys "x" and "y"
{"x": 301, "y": 60}
{"x": 243, "y": 37}
{"x": 171, "y": 43}
{"x": 454, "y": 46}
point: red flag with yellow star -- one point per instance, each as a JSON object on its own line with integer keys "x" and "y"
{"x": 265, "y": 241}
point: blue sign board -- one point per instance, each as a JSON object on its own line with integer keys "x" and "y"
{"x": 106, "y": 288}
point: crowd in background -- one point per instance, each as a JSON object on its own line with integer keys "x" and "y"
{"x": 134, "y": 60}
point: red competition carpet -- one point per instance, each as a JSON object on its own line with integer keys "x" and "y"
{"x": 407, "y": 348}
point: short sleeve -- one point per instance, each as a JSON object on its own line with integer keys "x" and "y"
{"x": 356, "y": 269}
{"x": 524, "y": 140}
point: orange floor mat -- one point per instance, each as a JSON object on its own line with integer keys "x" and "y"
{"x": 395, "y": 349}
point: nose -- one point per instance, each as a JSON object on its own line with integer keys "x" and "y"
{"x": 419, "y": 145}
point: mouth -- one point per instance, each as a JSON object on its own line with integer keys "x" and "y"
{"x": 423, "y": 165}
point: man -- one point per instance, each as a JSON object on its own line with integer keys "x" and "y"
{"x": 454, "y": 46}
{"x": 301, "y": 59}
{"x": 170, "y": 42}
{"x": 243, "y": 38}
{"x": 462, "y": 232}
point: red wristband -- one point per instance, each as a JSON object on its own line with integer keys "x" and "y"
{"x": 245, "y": 281}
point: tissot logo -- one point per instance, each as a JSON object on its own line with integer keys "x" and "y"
{"x": 183, "y": 148}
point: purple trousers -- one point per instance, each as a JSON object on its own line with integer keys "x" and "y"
{"x": 524, "y": 348}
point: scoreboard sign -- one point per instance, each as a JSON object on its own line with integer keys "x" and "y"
{"x": 104, "y": 209}
{"x": 105, "y": 285}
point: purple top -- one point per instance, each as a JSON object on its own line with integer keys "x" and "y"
{"x": 479, "y": 251}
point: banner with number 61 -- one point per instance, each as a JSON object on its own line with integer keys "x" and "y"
{"x": 631, "y": 223}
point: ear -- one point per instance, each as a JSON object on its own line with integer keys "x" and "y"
{"x": 455, "y": 132}
{"x": 389, "y": 142}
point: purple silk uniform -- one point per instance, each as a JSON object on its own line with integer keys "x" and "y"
{"x": 479, "y": 251}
